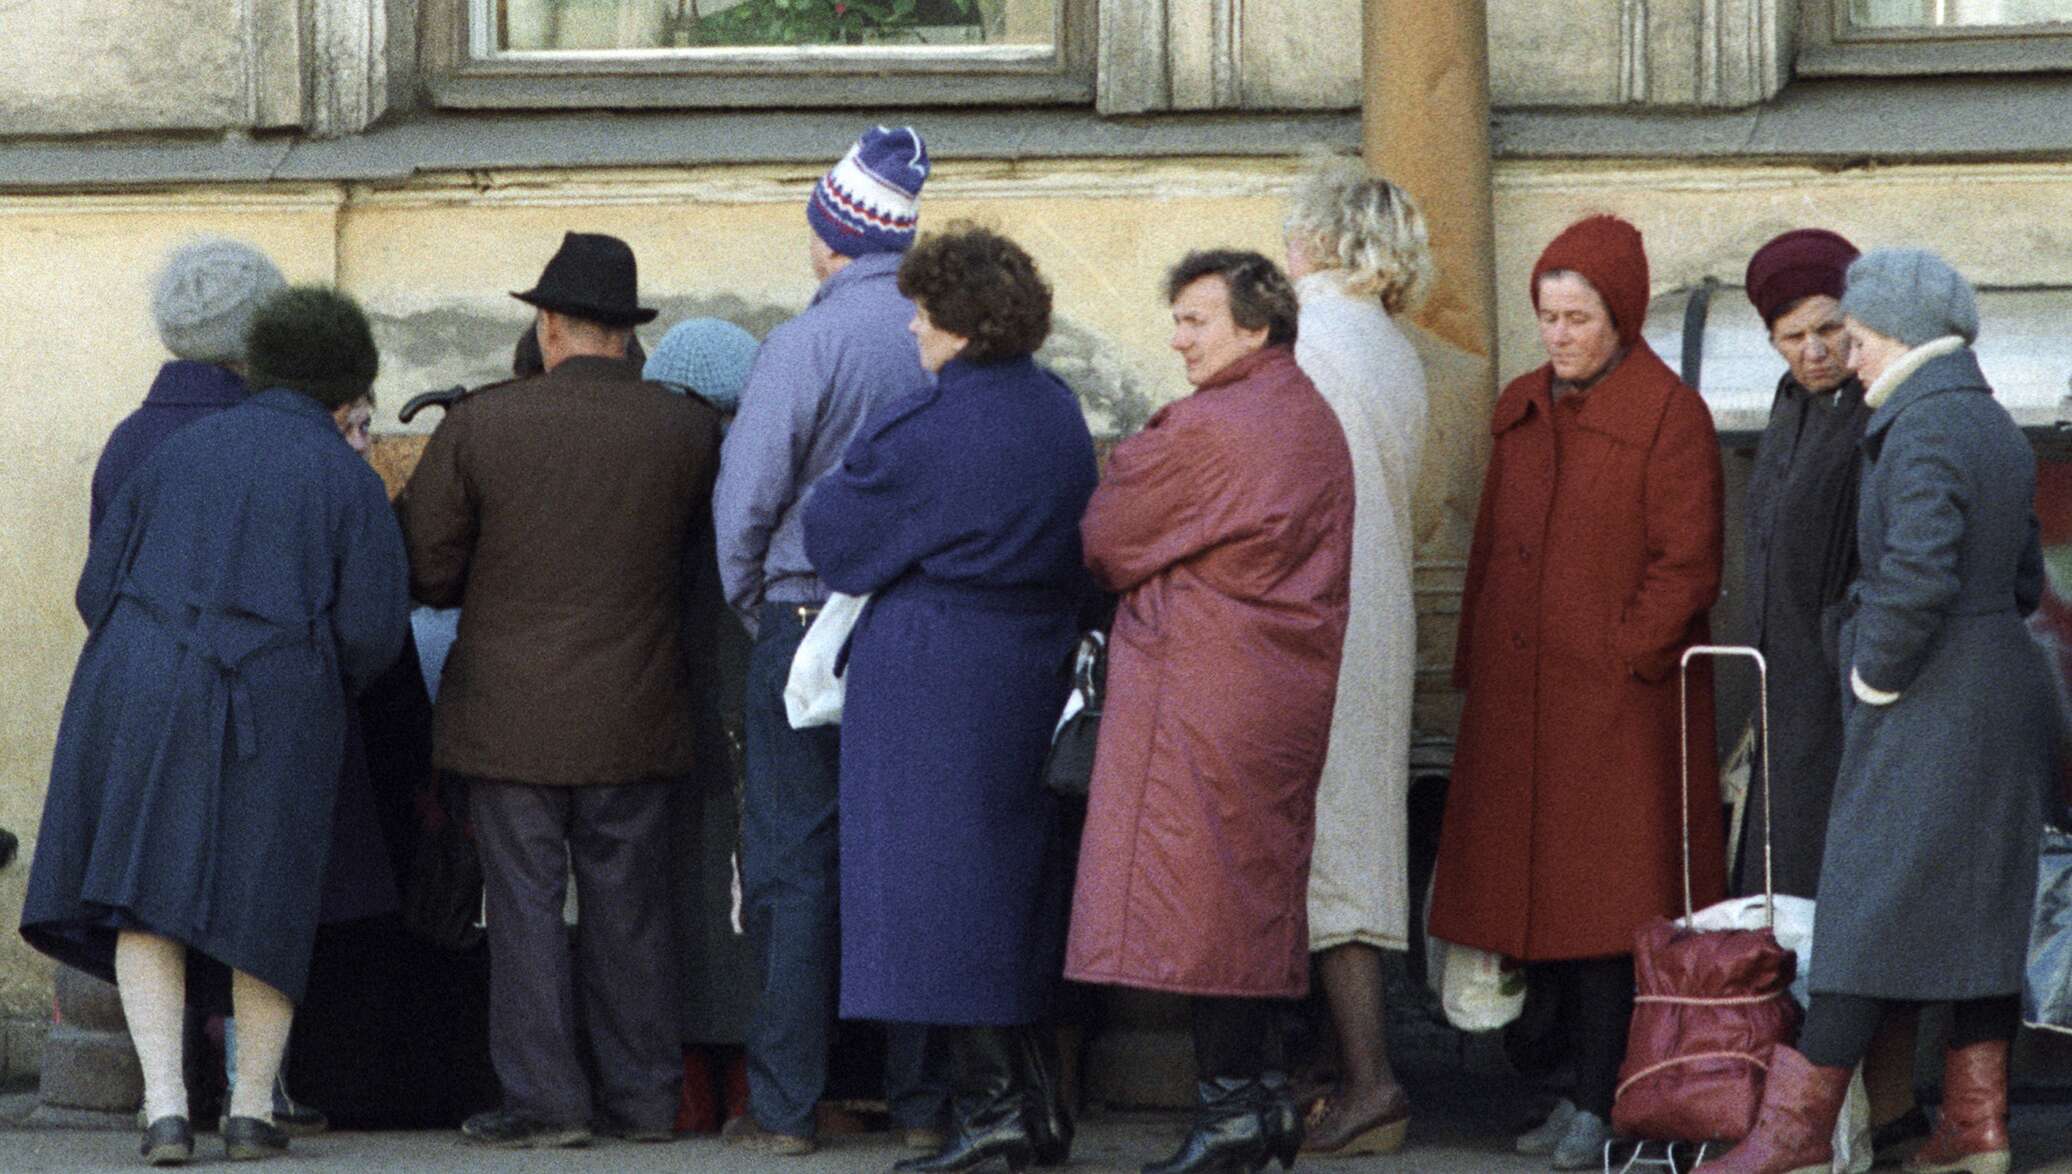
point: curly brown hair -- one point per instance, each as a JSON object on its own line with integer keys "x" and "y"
{"x": 979, "y": 285}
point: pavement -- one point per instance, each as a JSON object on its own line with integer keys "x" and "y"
{"x": 1462, "y": 1125}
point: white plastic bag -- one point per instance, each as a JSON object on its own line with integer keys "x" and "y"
{"x": 813, "y": 691}
{"x": 1478, "y": 994}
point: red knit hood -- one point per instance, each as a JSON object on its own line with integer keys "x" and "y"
{"x": 1607, "y": 252}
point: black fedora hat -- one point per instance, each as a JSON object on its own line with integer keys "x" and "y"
{"x": 593, "y": 276}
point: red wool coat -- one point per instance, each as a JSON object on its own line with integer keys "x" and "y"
{"x": 1597, "y": 553}
{"x": 1227, "y": 527}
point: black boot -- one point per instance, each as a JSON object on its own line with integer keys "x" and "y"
{"x": 1239, "y": 1125}
{"x": 1284, "y": 1127}
{"x": 1050, "y": 1119}
{"x": 992, "y": 1105}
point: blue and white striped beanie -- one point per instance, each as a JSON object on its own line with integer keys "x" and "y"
{"x": 871, "y": 201}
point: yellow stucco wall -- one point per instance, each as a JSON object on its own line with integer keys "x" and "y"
{"x": 433, "y": 260}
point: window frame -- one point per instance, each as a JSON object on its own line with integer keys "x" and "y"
{"x": 1829, "y": 47}
{"x": 456, "y": 75}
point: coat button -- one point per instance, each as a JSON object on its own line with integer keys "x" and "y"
{"x": 1524, "y": 553}
{"x": 1518, "y": 640}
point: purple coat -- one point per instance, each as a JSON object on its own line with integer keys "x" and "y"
{"x": 958, "y": 505}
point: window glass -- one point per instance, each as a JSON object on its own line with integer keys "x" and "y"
{"x": 564, "y": 25}
{"x": 1958, "y": 14}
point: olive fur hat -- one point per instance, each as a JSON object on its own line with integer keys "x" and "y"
{"x": 315, "y": 340}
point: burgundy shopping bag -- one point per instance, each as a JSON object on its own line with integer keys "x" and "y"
{"x": 1707, "y": 1005}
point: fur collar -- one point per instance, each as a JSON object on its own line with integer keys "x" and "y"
{"x": 1904, "y": 367}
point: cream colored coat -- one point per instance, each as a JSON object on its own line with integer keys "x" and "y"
{"x": 1368, "y": 371}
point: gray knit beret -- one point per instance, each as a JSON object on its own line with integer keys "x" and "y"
{"x": 1911, "y": 295}
{"x": 205, "y": 294}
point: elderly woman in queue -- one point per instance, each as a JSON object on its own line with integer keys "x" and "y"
{"x": 247, "y": 580}
{"x": 1596, "y": 555}
{"x": 1930, "y": 863}
{"x": 1227, "y": 526}
{"x": 1358, "y": 255}
{"x": 957, "y": 506}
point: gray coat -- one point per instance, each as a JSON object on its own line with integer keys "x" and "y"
{"x": 1930, "y": 867}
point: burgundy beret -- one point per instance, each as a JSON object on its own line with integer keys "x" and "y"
{"x": 1797, "y": 265}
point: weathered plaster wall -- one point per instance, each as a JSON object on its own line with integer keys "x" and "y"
{"x": 77, "y": 330}
{"x": 433, "y": 261}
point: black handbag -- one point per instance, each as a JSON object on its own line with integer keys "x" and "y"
{"x": 442, "y": 900}
{"x": 1068, "y": 769}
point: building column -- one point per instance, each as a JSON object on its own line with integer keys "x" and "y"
{"x": 1426, "y": 123}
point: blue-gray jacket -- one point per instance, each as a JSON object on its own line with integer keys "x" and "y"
{"x": 1930, "y": 868}
{"x": 813, "y": 380}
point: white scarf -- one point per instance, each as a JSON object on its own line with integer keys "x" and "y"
{"x": 1883, "y": 386}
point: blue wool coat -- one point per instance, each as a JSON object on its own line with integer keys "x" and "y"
{"x": 248, "y": 578}
{"x": 959, "y": 506}
{"x": 1930, "y": 867}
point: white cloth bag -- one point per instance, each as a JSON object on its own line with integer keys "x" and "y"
{"x": 813, "y": 691}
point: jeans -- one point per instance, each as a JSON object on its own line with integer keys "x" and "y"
{"x": 790, "y": 881}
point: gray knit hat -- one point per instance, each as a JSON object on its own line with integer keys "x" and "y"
{"x": 1911, "y": 295}
{"x": 204, "y": 297}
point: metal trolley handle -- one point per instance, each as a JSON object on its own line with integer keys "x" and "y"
{"x": 1683, "y": 730}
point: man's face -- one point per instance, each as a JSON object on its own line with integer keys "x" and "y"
{"x": 824, "y": 260}
{"x": 1811, "y": 339}
{"x": 1576, "y": 328}
{"x": 1205, "y": 334}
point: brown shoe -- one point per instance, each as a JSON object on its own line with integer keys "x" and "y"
{"x": 1795, "y": 1128}
{"x": 1339, "y": 1130}
{"x": 745, "y": 1133}
{"x": 1971, "y": 1131}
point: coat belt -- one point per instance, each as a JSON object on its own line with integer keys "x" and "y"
{"x": 224, "y": 640}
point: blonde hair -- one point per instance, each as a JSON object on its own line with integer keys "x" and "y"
{"x": 1367, "y": 227}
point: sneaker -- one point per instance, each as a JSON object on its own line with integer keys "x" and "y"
{"x": 745, "y": 1133}
{"x": 506, "y": 1130}
{"x": 1582, "y": 1144}
{"x": 1540, "y": 1140}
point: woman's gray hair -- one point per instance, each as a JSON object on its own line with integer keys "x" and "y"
{"x": 1367, "y": 227}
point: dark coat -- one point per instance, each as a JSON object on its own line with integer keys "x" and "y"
{"x": 1930, "y": 869}
{"x": 356, "y": 883}
{"x": 1227, "y": 527}
{"x": 1597, "y": 553}
{"x": 247, "y": 579}
{"x": 183, "y": 392}
{"x": 1801, "y": 534}
{"x": 958, "y": 505}
{"x": 559, "y": 512}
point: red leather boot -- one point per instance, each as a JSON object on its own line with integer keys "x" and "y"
{"x": 1794, "y": 1130}
{"x": 1971, "y": 1132}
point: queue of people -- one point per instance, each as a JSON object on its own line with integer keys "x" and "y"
{"x": 611, "y": 533}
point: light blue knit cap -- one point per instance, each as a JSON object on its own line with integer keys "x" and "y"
{"x": 708, "y": 357}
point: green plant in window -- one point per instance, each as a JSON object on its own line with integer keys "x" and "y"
{"x": 821, "y": 22}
